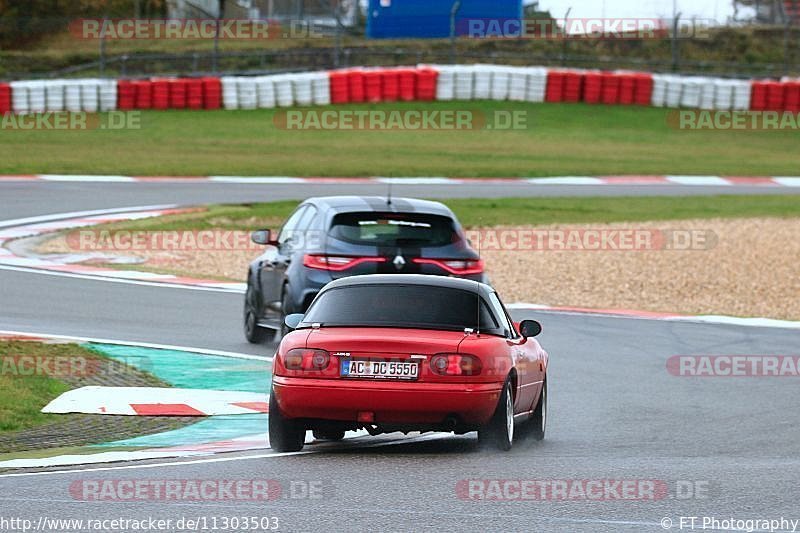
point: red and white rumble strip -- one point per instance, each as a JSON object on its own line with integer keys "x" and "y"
{"x": 71, "y": 264}
{"x": 154, "y": 401}
{"x": 736, "y": 181}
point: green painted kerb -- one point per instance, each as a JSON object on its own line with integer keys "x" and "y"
{"x": 211, "y": 429}
{"x": 191, "y": 370}
{"x": 188, "y": 370}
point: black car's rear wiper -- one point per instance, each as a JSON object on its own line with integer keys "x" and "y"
{"x": 409, "y": 242}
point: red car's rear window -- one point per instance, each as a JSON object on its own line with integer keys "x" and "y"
{"x": 401, "y": 306}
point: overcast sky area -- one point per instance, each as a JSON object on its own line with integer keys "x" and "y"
{"x": 718, "y": 10}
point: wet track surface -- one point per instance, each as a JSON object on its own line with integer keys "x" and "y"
{"x": 615, "y": 411}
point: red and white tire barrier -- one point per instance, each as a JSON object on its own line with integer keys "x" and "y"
{"x": 421, "y": 83}
{"x": 739, "y": 181}
{"x": 153, "y": 401}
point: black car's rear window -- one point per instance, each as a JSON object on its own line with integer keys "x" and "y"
{"x": 401, "y": 306}
{"x": 393, "y": 229}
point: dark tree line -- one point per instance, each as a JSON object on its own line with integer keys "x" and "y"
{"x": 25, "y": 21}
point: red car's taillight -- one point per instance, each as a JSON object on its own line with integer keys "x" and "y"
{"x": 336, "y": 262}
{"x": 306, "y": 359}
{"x": 457, "y": 267}
{"x": 454, "y": 364}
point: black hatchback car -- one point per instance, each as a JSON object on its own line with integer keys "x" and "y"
{"x": 334, "y": 237}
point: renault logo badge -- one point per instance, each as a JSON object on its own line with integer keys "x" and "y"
{"x": 399, "y": 262}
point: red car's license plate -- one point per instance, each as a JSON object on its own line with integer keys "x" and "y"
{"x": 379, "y": 370}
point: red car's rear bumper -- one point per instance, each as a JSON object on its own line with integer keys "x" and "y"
{"x": 391, "y": 402}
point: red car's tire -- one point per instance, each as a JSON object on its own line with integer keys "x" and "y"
{"x": 499, "y": 432}
{"x": 285, "y": 435}
{"x": 538, "y": 422}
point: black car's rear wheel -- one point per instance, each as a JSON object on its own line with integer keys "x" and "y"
{"x": 284, "y": 312}
{"x": 285, "y": 435}
{"x": 499, "y": 432}
{"x": 252, "y": 331}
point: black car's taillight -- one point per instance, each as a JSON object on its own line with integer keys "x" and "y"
{"x": 458, "y": 267}
{"x": 336, "y": 262}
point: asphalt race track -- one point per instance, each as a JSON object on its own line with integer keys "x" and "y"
{"x": 616, "y": 413}
{"x": 21, "y": 199}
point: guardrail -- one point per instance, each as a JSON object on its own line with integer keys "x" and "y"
{"x": 195, "y": 64}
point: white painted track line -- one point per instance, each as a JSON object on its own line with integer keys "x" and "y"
{"x": 96, "y": 340}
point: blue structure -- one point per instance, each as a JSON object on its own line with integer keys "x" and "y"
{"x": 430, "y": 19}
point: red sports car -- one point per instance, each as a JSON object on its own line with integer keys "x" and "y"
{"x": 407, "y": 353}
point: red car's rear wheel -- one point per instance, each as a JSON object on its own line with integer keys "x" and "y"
{"x": 499, "y": 432}
{"x": 285, "y": 435}
{"x": 538, "y": 422}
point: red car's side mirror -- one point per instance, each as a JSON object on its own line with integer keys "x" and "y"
{"x": 529, "y": 328}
